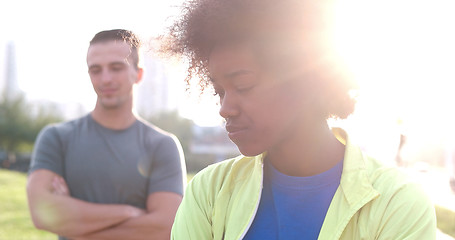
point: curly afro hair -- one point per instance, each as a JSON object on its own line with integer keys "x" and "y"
{"x": 291, "y": 39}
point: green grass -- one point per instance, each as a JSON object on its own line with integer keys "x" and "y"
{"x": 15, "y": 222}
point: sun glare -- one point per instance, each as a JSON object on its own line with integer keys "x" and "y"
{"x": 202, "y": 107}
{"x": 402, "y": 55}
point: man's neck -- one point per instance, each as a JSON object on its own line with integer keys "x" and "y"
{"x": 116, "y": 119}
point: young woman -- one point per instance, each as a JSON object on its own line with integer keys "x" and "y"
{"x": 278, "y": 82}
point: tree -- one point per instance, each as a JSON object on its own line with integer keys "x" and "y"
{"x": 172, "y": 122}
{"x": 182, "y": 128}
{"x": 20, "y": 123}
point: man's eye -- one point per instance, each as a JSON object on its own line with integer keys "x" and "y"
{"x": 116, "y": 69}
{"x": 94, "y": 71}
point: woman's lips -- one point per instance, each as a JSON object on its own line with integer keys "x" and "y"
{"x": 235, "y": 131}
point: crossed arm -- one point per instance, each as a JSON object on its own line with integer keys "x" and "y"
{"x": 54, "y": 210}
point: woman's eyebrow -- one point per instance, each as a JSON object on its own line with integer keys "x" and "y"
{"x": 238, "y": 73}
{"x": 231, "y": 75}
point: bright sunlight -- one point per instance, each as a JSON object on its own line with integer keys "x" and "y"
{"x": 402, "y": 55}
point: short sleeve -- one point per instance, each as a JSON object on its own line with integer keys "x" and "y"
{"x": 48, "y": 151}
{"x": 168, "y": 170}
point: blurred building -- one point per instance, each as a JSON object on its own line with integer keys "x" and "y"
{"x": 9, "y": 84}
{"x": 153, "y": 94}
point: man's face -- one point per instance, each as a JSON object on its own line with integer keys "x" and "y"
{"x": 262, "y": 112}
{"x": 112, "y": 73}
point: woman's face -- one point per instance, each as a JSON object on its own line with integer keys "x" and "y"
{"x": 262, "y": 112}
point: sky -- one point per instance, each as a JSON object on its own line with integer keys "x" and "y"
{"x": 51, "y": 39}
{"x": 401, "y": 52}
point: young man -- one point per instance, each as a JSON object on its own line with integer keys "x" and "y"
{"x": 278, "y": 83}
{"x": 109, "y": 174}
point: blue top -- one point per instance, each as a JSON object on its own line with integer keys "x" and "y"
{"x": 293, "y": 207}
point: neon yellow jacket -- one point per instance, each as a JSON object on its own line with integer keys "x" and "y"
{"x": 372, "y": 202}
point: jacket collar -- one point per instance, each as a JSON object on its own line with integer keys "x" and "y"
{"x": 354, "y": 192}
{"x": 355, "y": 184}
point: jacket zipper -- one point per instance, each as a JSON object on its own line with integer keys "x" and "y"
{"x": 257, "y": 204}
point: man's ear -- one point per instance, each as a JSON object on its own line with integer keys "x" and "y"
{"x": 140, "y": 73}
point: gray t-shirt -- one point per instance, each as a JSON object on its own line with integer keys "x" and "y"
{"x": 102, "y": 165}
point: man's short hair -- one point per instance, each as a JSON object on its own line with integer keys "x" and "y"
{"x": 120, "y": 35}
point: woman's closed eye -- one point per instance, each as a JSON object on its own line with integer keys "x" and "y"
{"x": 244, "y": 89}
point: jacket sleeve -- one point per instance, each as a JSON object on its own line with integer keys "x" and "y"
{"x": 193, "y": 219}
{"x": 410, "y": 215}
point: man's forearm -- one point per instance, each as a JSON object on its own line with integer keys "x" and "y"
{"x": 72, "y": 217}
{"x": 149, "y": 226}
{"x": 53, "y": 209}
{"x": 156, "y": 224}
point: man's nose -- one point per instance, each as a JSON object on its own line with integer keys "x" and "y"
{"x": 106, "y": 76}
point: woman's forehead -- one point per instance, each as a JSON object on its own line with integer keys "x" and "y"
{"x": 229, "y": 57}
